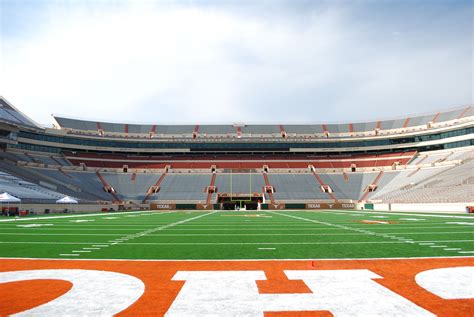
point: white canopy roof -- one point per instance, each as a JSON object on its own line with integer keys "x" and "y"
{"x": 7, "y": 198}
{"x": 66, "y": 200}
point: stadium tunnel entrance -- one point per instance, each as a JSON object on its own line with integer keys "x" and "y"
{"x": 241, "y": 201}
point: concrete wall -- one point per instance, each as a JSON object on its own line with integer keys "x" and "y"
{"x": 446, "y": 208}
{"x": 60, "y": 208}
{"x": 382, "y": 207}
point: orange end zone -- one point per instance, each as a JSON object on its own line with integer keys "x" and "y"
{"x": 162, "y": 286}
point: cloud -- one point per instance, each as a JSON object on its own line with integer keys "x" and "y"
{"x": 236, "y": 63}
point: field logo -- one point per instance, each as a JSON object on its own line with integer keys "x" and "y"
{"x": 437, "y": 287}
{"x": 341, "y": 292}
{"x": 87, "y": 295}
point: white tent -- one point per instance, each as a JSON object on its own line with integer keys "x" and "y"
{"x": 7, "y": 198}
{"x": 66, "y": 200}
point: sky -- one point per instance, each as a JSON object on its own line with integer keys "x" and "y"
{"x": 244, "y": 61}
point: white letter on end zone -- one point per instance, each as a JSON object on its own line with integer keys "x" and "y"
{"x": 235, "y": 293}
{"x": 93, "y": 293}
{"x": 449, "y": 283}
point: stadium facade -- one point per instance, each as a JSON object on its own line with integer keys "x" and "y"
{"x": 419, "y": 159}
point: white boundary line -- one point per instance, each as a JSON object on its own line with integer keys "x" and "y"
{"x": 247, "y": 260}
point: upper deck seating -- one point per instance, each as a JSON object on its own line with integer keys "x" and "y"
{"x": 296, "y": 187}
{"x": 25, "y": 190}
{"x": 431, "y": 185}
{"x": 183, "y": 187}
{"x": 348, "y": 189}
{"x": 240, "y": 183}
{"x": 128, "y": 187}
{"x": 237, "y": 162}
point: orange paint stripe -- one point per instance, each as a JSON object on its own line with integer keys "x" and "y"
{"x": 407, "y": 121}
{"x": 160, "y": 291}
{"x": 464, "y": 112}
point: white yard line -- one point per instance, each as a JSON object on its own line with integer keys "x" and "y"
{"x": 262, "y": 243}
{"x": 122, "y": 239}
{"x": 39, "y": 242}
{"x": 233, "y": 234}
{"x": 76, "y": 216}
{"x": 310, "y": 228}
{"x": 460, "y": 223}
{"x": 434, "y": 232}
{"x": 336, "y": 225}
{"x": 395, "y": 213}
{"x": 57, "y": 228}
{"x": 247, "y": 226}
{"x": 228, "y": 243}
{"x": 401, "y": 239}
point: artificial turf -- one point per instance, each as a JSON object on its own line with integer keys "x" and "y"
{"x": 194, "y": 235}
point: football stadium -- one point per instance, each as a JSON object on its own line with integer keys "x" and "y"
{"x": 183, "y": 220}
{"x": 263, "y": 158}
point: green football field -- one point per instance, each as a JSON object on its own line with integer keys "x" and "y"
{"x": 222, "y": 235}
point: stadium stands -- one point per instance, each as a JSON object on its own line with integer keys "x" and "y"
{"x": 255, "y": 162}
{"x": 26, "y": 191}
{"x": 352, "y": 188}
{"x": 240, "y": 183}
{"x": 386, "y": 127}
{"x": 296, "y": 187}
{"x": 9, "y": 114}
{"x": 130, "y": 186}
{"x": 436, "y": 185}
{"x": 392, "y": 186}
{"x": 425, "y": 158}
{"x": 183, "y": 188}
